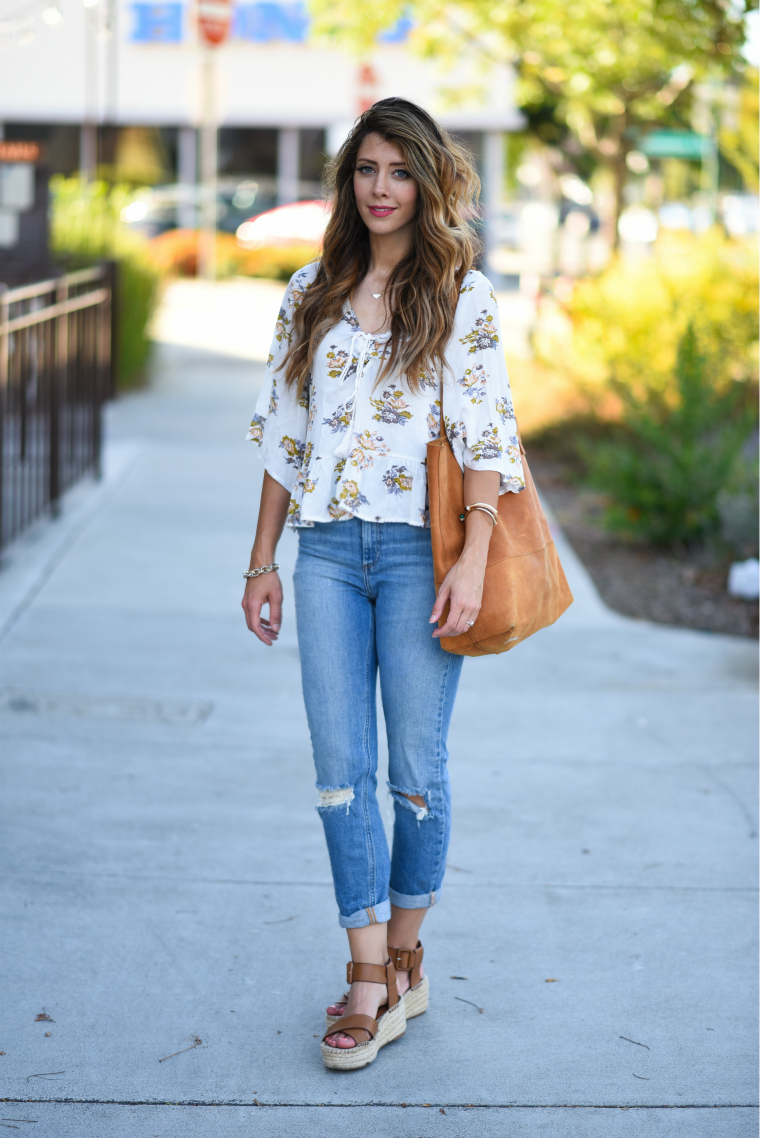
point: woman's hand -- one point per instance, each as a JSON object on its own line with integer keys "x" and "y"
{"x": 260, "y": 591}
{"x": 267, "y": 589}
{"x": 462, "y": 586}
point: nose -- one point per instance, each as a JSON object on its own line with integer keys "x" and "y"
{"x": 381, "y": 187}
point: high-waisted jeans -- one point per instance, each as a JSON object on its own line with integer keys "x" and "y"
{"x": 364, "y": 592}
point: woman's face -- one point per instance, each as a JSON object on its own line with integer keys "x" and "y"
{"x": 386, "y": 192}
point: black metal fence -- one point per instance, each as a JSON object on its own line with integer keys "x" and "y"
{"x": 55, "y": 374}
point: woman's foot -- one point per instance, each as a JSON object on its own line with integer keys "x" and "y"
{"x": 363, "y": 999}
{"x": 402, "y": 984}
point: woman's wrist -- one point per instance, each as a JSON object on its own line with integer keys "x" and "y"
{"x": 478, "y": 530}
{"x": 263, "y": 555}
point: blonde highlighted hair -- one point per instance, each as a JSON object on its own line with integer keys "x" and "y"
{"x": 424, "y": 287}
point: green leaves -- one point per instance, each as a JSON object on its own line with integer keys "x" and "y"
{"x": 666, "y": 468}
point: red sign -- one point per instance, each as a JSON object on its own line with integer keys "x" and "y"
{"x": 20, "y": 151}
{"x": 214, "y": 18}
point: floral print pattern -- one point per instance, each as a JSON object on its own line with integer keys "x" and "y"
{"x": 348, "y": 447}
{"x": 483, "y": 335}
{"x": 434, "y": 420}
{"x": 397, "y": 480}
{"x": 475, "y": 383}
{"x": 391, "y": 408}
{"x": 340, "y": 418}
{"x": 488, "y": 445}
{"x": 368, "y": 445}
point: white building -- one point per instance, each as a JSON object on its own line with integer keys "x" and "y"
{"x": 86, "y": 77}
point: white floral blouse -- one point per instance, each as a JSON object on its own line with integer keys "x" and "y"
{"x": 348, "y": 448}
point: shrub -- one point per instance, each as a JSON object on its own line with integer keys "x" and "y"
{"x": 175, "y": 253}
{"x": 277, "y": 262}
{"x": 86, "y": 228}
{"x": 675, "y": 452}
{"x": 623, "y": 327}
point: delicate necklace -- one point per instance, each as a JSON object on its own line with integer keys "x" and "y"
{"x": 374, "y": 295}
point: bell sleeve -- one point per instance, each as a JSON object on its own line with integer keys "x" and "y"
{"x": 280, "y": 422}
{"x": 477, "y": 401}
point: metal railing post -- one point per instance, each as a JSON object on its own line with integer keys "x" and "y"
{"x": 63, "y": 368}
{"x": 57, "y": 389}
{"x": 4, "y": 337}
{"x": 113, "y": 284}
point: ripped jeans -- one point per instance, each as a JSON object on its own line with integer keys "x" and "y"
{"x": 364, "y": 592}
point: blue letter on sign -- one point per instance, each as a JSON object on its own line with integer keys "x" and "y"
{"x": 267, "y": 22}
{"x": 157, "y": 23}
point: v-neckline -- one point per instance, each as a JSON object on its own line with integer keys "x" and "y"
{"x": 353, "y": 321}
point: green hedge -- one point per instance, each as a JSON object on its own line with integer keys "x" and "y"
{"x": 86, "y": 228}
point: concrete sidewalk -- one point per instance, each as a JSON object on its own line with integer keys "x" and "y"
{"x": 165, "y": 877}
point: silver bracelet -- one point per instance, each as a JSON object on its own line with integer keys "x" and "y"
{"x": 264, "y": 569}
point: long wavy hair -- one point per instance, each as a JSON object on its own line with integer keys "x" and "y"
{"x": 424, "y": 287}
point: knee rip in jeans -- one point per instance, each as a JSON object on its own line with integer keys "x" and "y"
{"x": 331, "y": 796}
{"x": 404, "y": 795}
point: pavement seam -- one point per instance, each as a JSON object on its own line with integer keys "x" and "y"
{"x": 30, "y": 875}
{"x": 391, "y": 1105}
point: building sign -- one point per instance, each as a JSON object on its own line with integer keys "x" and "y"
{"x": 20, "y": 151}
{"x": 268, "y": 23}
{"x": 157, "y": 23}
{"x": 214, "y": 19}
{"x": 264, "y": 21}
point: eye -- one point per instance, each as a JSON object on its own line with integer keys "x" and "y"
{"x": 402, "y": 175}
{"x": 365, "y": 169}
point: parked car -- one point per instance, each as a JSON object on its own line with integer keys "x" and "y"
{"x": 302, "y": 223}
{"x": 156, "y": 209}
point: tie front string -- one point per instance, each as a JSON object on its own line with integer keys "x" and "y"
{"x": 366, "y": 340}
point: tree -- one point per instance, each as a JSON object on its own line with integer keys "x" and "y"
{"x": 610, "y": 69}
{"x": 739, "y": 129}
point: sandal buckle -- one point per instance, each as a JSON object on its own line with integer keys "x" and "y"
{"x": 406, "y": 954}
{"x": 350, "y": 972}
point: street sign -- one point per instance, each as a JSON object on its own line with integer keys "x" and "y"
{"x": 214, "y": 18}
{"x": 11, "y": 151}
{"x": 676, "y": 144}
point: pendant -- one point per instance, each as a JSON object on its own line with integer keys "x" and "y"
{"x": 377, "y": 295}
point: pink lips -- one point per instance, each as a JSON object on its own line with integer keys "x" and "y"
{"x": 381, "y": 211}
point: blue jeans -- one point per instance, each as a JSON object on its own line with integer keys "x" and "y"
{"x": 364, "y": 592}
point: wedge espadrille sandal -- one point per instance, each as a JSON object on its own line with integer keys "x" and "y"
{"x": 369, "y": 1034}
{"x": 415, "y": 998}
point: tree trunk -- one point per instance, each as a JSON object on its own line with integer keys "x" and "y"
{"x": 618, "y": 183}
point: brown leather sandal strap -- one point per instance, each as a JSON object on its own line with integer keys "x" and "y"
{"x": 390, "y": 980}
{"x": 351, "y": 1025}
{"x": 375, "y": 974}
{"x": 408, "y": 960}
{"x": 369, "y": 973}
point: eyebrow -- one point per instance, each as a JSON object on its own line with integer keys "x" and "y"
{"x": 372, "y": 161}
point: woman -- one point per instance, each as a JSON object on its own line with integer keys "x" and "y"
{"x": 363, "y": 343}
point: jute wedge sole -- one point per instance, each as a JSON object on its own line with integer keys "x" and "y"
{"x": 416, "y": 998}
{"x": 390, "y": 1026}
{"x": 415, "y": 1001}
{"x": 368, "y": 1034}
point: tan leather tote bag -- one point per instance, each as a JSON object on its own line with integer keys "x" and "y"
{"x": 525, "y": 588}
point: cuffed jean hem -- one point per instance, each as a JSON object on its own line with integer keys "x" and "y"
{"x": 423, "y": 901}
{"x": 374, "y": 915}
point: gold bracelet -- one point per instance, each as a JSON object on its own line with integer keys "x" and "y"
{"x": 482, "y": 509}
{"x": 483, "y": 506}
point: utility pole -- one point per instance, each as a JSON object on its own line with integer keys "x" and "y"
{"x": 209, "y": 159}
{"x": 214, "y": 17}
